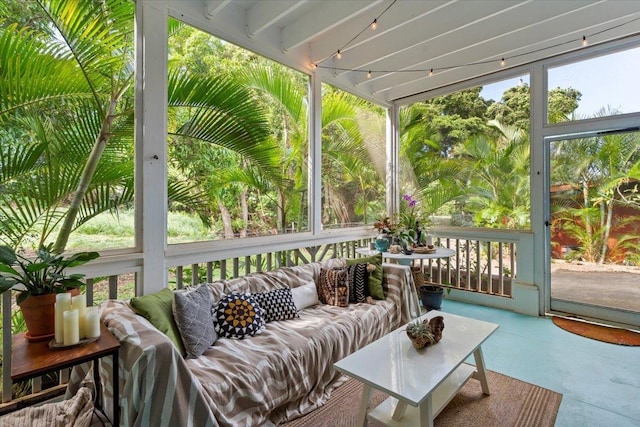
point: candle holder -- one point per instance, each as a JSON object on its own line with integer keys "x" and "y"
{"x": 53, "y": 345}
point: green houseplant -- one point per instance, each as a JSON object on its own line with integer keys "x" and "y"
{"x": 38, "y": 280}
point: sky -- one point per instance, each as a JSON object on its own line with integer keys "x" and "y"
{"x": 608, "y": 80}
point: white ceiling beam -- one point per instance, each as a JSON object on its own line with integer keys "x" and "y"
{"x": 416, "y": 40}
{"x": 264, "y": 14}
{"x": 401, "y": 14}
{"x": 213, "y": 7}
{"x": 323, "y": 16}
{"x": 496, "y": 42}
{"x": 409, "y": 88}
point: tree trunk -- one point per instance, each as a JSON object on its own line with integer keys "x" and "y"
{"x": 226, "y": 221}
{"x": 85, "y": 179}
{"x": 245, "y": 213}
{"x": 606, "y": 232}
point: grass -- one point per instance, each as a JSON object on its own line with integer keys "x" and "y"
{"x": 110, "y": 231}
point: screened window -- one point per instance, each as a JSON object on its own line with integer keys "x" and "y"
{"x": 237, "y": 143}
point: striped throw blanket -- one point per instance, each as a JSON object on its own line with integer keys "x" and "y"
{"x": 267, "y": 379}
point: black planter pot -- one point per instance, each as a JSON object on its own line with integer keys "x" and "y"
{"x": 431, "y": 297}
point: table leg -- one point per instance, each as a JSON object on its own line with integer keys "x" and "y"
{"x": 426, "y": 413}
{"x": 97, "y": 383}
{"x": 364, "y": 405}
{"x": 481, "y": 371}
{"x": 116, "y": 389}
{"x": 398, "y": 413}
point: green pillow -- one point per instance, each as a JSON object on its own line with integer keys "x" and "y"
{"x": 375, "y": 279}
{"x": 157, "y": 309}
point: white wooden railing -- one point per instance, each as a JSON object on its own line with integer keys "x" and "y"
{"x": 115, "y": 275}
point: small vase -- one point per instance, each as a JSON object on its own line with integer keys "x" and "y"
{"x": 382, "y": 243}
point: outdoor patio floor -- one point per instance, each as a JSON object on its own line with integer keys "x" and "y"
{"x": 600, "y": 382}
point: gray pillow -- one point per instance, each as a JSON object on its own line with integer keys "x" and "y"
{"x": 192, "y": 314}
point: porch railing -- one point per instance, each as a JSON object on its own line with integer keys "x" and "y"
{"x": 484, "y": 262}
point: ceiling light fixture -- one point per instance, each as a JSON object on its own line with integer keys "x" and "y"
{"x": 584, "y": 41}
{"x": 374, "y": 24}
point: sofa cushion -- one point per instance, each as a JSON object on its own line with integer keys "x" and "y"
{"x": 238, "y": 316}
{"x": 277, "y": 304}
{"x": 192, "y": 314}
{"x": 305, "y": 296}
{"x": 333, "y": 287}
{"x": 375, "y": 278}
{"x": 358, "y": 279}
{"x": 157, "y": 308}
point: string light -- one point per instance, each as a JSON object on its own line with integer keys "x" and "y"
{"x": 374, "y": 25}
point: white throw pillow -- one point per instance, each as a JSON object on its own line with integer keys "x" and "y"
{"x": 305, "y": 296}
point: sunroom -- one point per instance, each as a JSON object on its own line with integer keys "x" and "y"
{"x": 393, "y": 55}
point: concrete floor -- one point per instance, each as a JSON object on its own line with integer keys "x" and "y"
{"x": 608, "y": 288}
{"x": 600, "y": 382}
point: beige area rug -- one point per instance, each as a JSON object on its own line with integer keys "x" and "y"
{"x": 512, "y": 403}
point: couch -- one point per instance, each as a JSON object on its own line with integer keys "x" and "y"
{"x": 267, "y": 379}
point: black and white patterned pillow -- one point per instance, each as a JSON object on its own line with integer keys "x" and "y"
{"x": 277, "y": 304}
{"x": 358, "y": 278}
{"x": 238, "y": 316}
{"x": 192, "y": 314}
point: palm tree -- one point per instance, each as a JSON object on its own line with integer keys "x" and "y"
{"x": 66, "y": 109}
{"x": 498, "y": 191}
{"x": 599, "y": 167}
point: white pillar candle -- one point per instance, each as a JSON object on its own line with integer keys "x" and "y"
{"x": 71, "y": 327}
{"x": 63, "y": 303}
{"x": 79, "y": 302}
{"x": 93, "y": 322}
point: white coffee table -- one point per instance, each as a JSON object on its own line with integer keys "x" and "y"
{"x": 421, "y": 382}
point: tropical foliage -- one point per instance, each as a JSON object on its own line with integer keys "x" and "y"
{"x": 238, "y": 140}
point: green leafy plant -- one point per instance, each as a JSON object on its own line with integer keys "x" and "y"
{"x": 40, "y": 276}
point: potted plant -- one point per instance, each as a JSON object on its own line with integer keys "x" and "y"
{"x": 38, "y": 281}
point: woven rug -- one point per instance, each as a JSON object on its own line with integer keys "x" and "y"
{"x": 512, "y": 403}
{"x": 598, "y": 332}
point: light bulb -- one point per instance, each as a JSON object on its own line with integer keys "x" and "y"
{"x": 374, "y": 24}
{"x": 502, "y": 62}
{"x": 339, "y": 55}
{"x": 584, "y": 41}
{"x": 369, "y": 74}
{"x": 431, "y": 72}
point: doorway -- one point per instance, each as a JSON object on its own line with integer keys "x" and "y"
{"x": 594, "y": 229}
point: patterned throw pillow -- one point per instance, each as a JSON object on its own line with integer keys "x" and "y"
{"x": 277, "y": 304}
{"x": 238, "y": 316}
{"x": 358, "y": 278}
{"x": 374, "y": 288}
{"x": 333, "y": 287}
{"x": 192, "y": 313}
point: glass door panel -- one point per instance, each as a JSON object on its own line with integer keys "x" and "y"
{"x": 594, "y": 196}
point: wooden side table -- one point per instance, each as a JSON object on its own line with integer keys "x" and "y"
{"x": 33, "y": 359}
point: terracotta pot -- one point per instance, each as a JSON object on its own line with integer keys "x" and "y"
{"x": 39, "y": 315}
